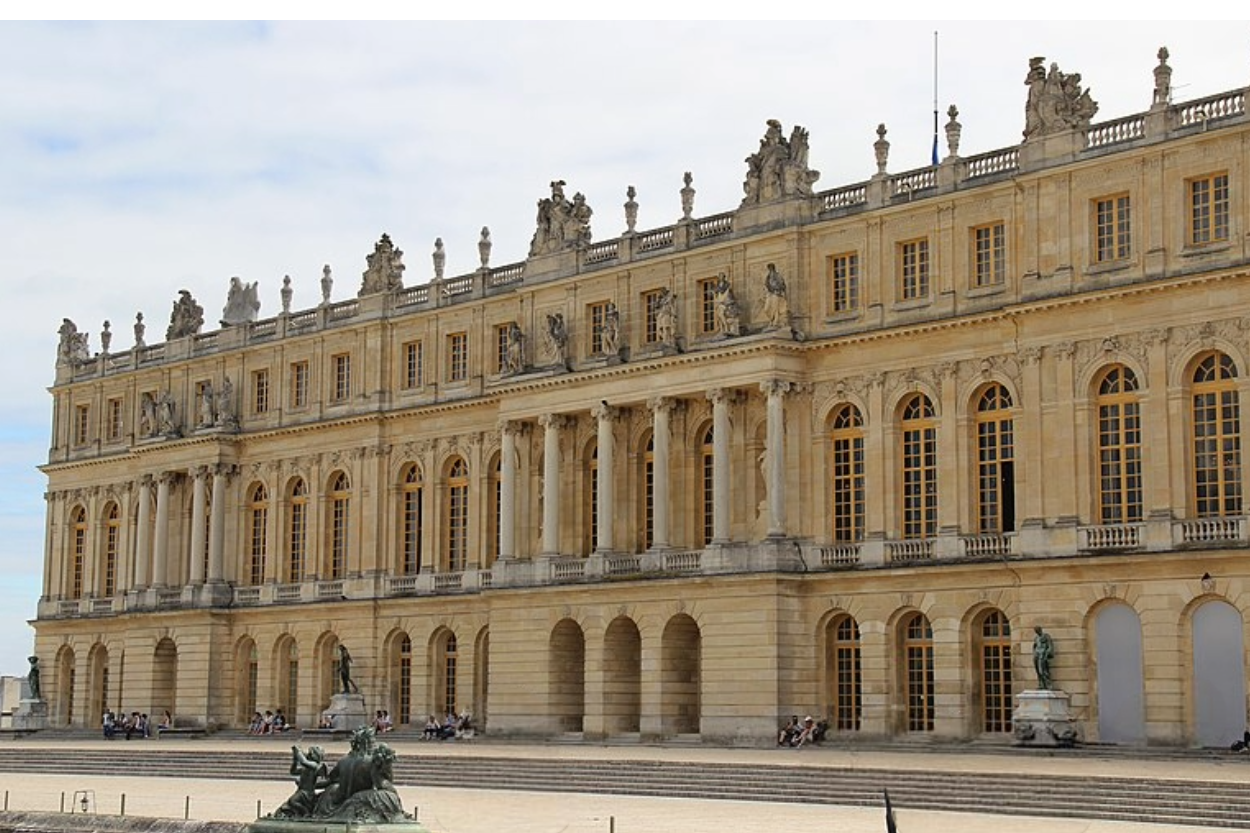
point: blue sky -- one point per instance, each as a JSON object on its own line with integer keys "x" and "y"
{"x": 143, "y": 158}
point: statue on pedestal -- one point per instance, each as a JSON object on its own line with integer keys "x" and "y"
{"x": 1043, "y": 655}
{"x": 32, "y": 679}
{"x": 1056, "y": 101}
{"x": 779, "y": 169}
{"x": 561, "y": 224}
{"x": 384, "y": 270}
{"x": 359, "y": 788}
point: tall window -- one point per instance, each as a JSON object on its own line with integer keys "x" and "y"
{"x": 82, "y": 424}
{"x": 292, "y": 680}
{"x": 848, "y": 474}
{"x": 342, "y": 363}
{"x": 78, "y": 552}
{"x": 919, "y": 468}
{"x": 706, "y": 470}
{"x": 1119, "y": 447}
{"x": 1113, "y": 238}
{"x": 260, "y": 391}
{"x": 299, "y": 384}
{"x": 340, "y": 514}
{"x": 913, "y": 270}
{"x": 449, "y": 675}
{"x": 648, "y": 494}
{"x": 591, "y": 503}
{"x": 996, "y": 672}
{"x": 501, "y": 347}
{"x": 258, "y": 511}
{"x": 995, "y": 462}
{"x": 1208, "y": 209}
{"x": 112, "y": 540}
{"x": 918, "y": 662}
{"x": 114, "y": 413}
{"x": 253, "y": 677}
{"x": 1217, "y": 438}
{"x": 494, "y": 490}
{"x": 847, "y": 680}
{"x": 297, "y": 532}
{"x": 707, "y": 305}
{"x": 457, "y": 357}
{"x": 596, "y": 314}
{"x": 405, "y": 682}
{"x": 651, "y": 310}
{"x": 411, "y": 521}
{"x": 989, "y": 250}
{"x": 413, "y": 377}
{"x": 457, "y": 516}
{"x": 844, "y": 282}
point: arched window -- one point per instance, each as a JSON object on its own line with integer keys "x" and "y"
{"x": 848, "y": 474}
{"x": 918, "y": 662}
{"x": 297, "y": 532}
{"x": 405, "y": 682}
{"x": 340, "y": 512}
{"x": 258, "y": 523}
{"x": 996, "y": 496}
{"x": 112, "y": 535}
{"x": 1217, "y": 438}
{"x": 706, "y": 471}
{"x": 591, "y": 502}
{"x": 846, "y": 709}
{"x": 457, "y": 516}
{"x": 410, "y": 521}
{"x": 1119, "y": 447}
{"x": 449, "y": 675}
{"x": 995, "y": 644}
{"x": 919, "y": 468}
{"x": 78, "y": 551}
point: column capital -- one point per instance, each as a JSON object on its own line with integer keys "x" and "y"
{"x": 166, "y": 478}
{"x": 146, "y": 481}
{"x": 510, "y": 427}
{"x": 775, "y": 387}
{"x": 200, "y": 472}
{"x": 556, "y": 421}
{"x": 603, "y": 411}
{"x": 728, "y": 396}
{"x": 226, "y": 471}
{"x": 668, "y": 404}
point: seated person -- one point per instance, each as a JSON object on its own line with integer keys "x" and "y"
{"x": 807, "y": 732}
{"x": 431, "y": 728}
{"x": 257, "y": 726}
{"x": 326, "y": 722}
{"x": 448, "y": 729}
{"x": 167, "y": 721}
{"x": 384, "y": 722}
{"x": 110, "y": 724}
{"x": 788, "y": 732}
{"x": 279, "y": 721}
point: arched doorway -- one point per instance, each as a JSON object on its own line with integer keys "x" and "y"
{"x": 1219, "y": 671}
{"x": 622, "y": 677}
{"x": 680, "y": 677}
{"x": 1121, "y": 700}
{"x": 164, "y": 679}
{"x": 566, "y": 676}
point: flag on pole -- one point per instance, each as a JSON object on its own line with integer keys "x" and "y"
{"x": 890, "y": 826}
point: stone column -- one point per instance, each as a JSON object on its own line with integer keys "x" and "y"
{"x": 198, "y": 494}
{"x": 720, "y": 398}
{"x": 507, "y": 490}
{"x": 775, "y": 390}
{"x": 605, "y": 414}
{"x": 160, "y": 548}
{"x": 217, "y": 525}
{"x": 143, "y": 535}
{"x": 551, "y": 423}
{"x": 661, "y": 409}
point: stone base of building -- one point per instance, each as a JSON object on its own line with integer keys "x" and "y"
{"x": 346, "y": 712}
{"x": 31, "y": 714}
{"x": 1043, "y": 718}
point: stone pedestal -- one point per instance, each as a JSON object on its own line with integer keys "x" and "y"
{"x": 1043, "y": 718}
{"x": 31, "y": 714}
{"x": 347, "y": 712}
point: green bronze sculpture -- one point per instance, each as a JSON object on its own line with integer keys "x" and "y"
{"x": 1043, "y": 654}
{"x": 357, "y": 789}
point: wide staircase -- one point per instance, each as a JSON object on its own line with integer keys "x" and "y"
{"x": 1148, "y": 800}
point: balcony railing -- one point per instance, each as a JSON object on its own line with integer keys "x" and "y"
{"x": 987, "y": 546}
{"x": 1111, "y": 537}
{"x": 1210, "y": 531}
{"x": 920, "y": 549}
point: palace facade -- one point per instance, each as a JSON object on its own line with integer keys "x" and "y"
{"x": 833, "y": 452}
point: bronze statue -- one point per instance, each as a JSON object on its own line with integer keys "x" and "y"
{"x": 1043, "y": 654}
{"x": 358, "y": 788}
{"x": 32, "y": 679}
{"x": 345, "y": 672}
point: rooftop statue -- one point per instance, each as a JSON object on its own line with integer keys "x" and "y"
{"x": 779, "y": 169}
{"x": 385, "y": 268}
{"x": 187, "y": 317}
{"x": 357, "y": 789}
{"x": 561, "y": 224}
{"x": 73, "y": 345}
{"x": 1056, "y": 101}
{"x": 242, "y": 305}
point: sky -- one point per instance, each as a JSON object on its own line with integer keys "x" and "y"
{"x": 138, "y": 159}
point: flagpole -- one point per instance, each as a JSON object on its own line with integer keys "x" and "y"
{"x": 935, "y": 97}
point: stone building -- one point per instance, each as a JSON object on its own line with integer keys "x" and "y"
{"x": 832, "y": 452}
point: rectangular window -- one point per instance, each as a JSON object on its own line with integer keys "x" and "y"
{"x": 913, "y": 270}
{"x": 1112, "y": 229}
{"x": 651, "y": 308}
{"x": 596, "y": 314}
{"x": 844, "y": 282}
{"x": 1208, "y": 210}
{"x": 299, "y": 384}
{"x": 413, "y": 376}
{"x": 501, "y": 347}
{"x": 115, "y": 419}
{"x": 342, "y": 377}
{"x": 707, "y": 305}
{"x": 260, "y": 391}
{"x": 989, "y": 249}
{"x": 457, "y": 357}
{"x": 82, "y": 424}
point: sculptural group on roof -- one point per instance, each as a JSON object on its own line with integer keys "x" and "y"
{"x": 561, "y": 224}
{"x": 779, "y": 169}
{"x": 384, "y": 269}
{"x": 1056, "y": 101}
